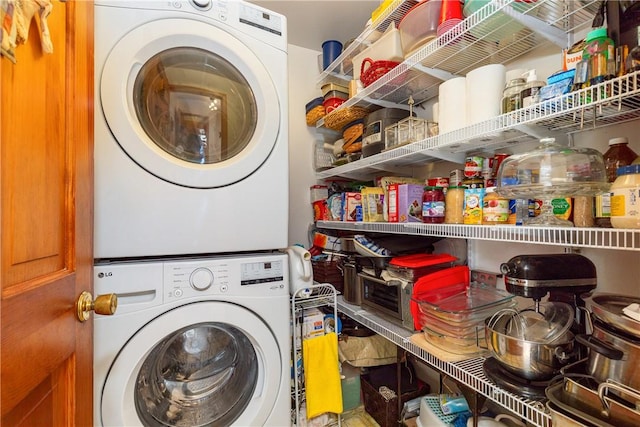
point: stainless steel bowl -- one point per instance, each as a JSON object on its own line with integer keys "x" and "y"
{"x": 528, "y": 359}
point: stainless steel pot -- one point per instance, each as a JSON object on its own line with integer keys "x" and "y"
{"x": 612, "y": 355}
{"x": 352, "y": 293}
{"x": 528, "y": 359}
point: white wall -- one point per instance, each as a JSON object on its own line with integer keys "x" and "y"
{"x": 303, "y": 73}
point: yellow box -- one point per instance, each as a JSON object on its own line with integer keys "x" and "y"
{"x": 378, "y": 11}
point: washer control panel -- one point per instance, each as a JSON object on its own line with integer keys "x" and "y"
{"x": 233, "y": 276}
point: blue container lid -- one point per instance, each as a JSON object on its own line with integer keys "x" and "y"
{"x": 313, "y": 104}
{"x": 628, "y": 169}
{"x": 332, "y": 41}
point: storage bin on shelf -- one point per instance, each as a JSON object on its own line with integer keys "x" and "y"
{"x": 327, "y": 271}
{"x": 372, "y": 70}
{"x": 314, "y": 111}
{"x": 387, "y": 48}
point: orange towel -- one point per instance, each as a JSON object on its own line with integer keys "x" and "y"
{"x": 322, "y": 375}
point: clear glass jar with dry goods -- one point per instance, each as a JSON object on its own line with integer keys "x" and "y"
{"x": 454, "y": 205}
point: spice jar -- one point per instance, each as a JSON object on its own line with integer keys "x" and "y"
{"x": 433, "y": 205}
{"x": 454, "y": 204}
{"x": 625, "y": 198}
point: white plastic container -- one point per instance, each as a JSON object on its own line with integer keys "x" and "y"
{"x": 625, "y": 198}
{"x": 387, "y": 48}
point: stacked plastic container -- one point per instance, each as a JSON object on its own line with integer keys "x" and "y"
{"x": 452, "y": 317}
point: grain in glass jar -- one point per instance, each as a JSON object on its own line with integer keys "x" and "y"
{"x": 454, "y": 205}
{"x": 433, "y": 205}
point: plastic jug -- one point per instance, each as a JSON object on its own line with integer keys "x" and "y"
{"x": 300, "y": 271}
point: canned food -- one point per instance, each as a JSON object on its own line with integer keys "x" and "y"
{"x": 473, "y": 166}
{"x": 439, "y": 181}
{"x": 455, "y": 177}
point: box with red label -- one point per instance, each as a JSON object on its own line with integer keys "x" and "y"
{"x": 352, "y": 207}
{"x": 405, "y": 202}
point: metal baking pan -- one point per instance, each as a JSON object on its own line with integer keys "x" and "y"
{"x": 588, "y": 406}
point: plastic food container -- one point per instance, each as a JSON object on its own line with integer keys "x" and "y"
{"x": 336, "y": 94}
{"x": 386, "y": 48}
{"x": 331, "y": 104}
{"x": 498, "y": 25}
{"x": 419, "y": 25}
{"x": 329, "y": 87}
{"x": 462, "y": 304}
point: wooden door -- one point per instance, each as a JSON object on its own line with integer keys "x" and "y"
{"x": 46, "y": 187}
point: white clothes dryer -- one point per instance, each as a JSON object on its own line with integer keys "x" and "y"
{"x": 191, "y": 137}
{"x": 194, "y": 342}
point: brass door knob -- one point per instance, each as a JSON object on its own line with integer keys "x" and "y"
{"x": 103, "y": 304}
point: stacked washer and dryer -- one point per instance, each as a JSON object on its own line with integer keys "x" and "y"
{"x": 191, "y": 211}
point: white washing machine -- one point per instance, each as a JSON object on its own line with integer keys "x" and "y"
{"x": 194, "y": 342}
{"x": 191, "y": 138}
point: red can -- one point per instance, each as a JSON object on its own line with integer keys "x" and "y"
{"x": 438, "y": 181}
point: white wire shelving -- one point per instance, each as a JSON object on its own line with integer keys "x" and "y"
{"x": 612, "y": 102}
{"x": 321, "y": 295}
{"x": 600, "y": 238}
{"x": 468, "y": 372}
{"x": 499, "y": 32}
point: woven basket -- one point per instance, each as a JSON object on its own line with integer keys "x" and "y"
{"x": 376, "y": 70}
{"x": 338, "y": 119}
{"x": 327, "y": 271}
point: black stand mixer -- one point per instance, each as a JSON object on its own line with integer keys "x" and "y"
{"x": 561, "y": 277}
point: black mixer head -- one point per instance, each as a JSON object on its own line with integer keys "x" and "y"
{"x": 533, "y": 276}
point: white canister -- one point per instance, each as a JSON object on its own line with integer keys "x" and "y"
{"x": 452, "y": 105}
{"x": 484, "y": 87}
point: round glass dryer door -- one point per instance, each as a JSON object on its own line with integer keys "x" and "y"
{"x": 209, "y": 363}
{"x": 194, "y": 106}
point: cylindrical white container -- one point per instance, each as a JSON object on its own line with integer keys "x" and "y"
{"x": 625, "y": 198}
{"x": 452, "y": 105}
{"x": 484, "y": 87}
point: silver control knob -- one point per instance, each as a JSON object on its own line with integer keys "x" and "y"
{"x": 201, "y": 279}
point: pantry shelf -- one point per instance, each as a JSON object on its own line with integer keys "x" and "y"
{"x": 601, "y": 238}
{"x": 468, "y": 372}
{"x": 340, "y": 71}
{"x": 499, "y": 32}
{"x": 611, "y": 102}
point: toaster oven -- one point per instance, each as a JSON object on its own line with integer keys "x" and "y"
{"x": 388, "y": 298}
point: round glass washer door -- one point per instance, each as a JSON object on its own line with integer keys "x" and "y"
{"x": 202, "y": 364}
{"x": 193, "y": 106}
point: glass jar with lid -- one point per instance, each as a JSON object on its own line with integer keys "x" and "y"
{"x": 433, "y": 205}
{"x": 552, "y": 171}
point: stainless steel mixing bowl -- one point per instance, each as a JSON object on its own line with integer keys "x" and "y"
{"x": 527, "y": 359}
